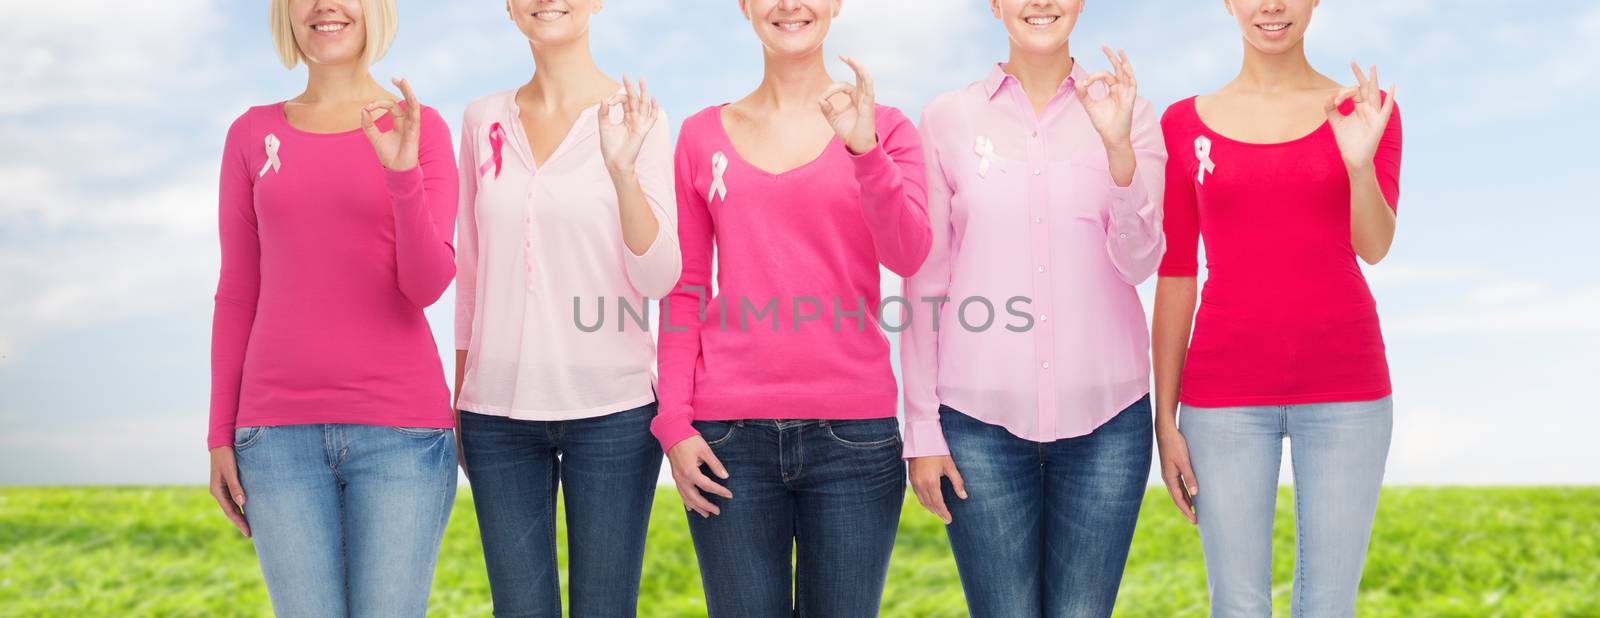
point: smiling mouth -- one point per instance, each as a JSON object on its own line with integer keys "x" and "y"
{"x": 791, "y": 25}
{"x": 329, "y": 26}
{"x": 549, "y": 15}
{"x": 1041, "y": 20}
{"x": 1279, "y": 27}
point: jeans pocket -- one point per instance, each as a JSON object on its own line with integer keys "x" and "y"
{"x": 420, "y": 432}
{"x": 871, "y": 433}
{"x": 243, "y": 437}
{"x": 714, "y": 432}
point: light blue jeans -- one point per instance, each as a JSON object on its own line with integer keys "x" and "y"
{"x": 1338, "y": 455}
{"x": 347, "y": 519}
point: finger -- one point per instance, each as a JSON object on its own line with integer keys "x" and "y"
{"x": 389, "y": 107}
{"x": 936, "y": 505}
{"x": 1102, "y": 76}
{"x": 839, "y": 88}
{"x": 863, "y": 79}
{"x": 1338, "y": 99}
{"x": 413, "y": 108}
{"x": 956, "y": 482}
{"x": 1127, "y": 70}
{"x": 693, "y": 501}
{"x": 220, "y": 492}
{"x": 1178, "y": 499}
{"x": 711, "y": 461}
{"x": 1116, "y": 65}
{"x": 702, "y": 504}
{"x": 1361, "y": 78}
{"x": 1187, "y": 472}
{"x": 368, "y": 126}
{"x": 1372, "y": 84}
{"x": 704, "y": 483}
{"x": 1388, "y": 103}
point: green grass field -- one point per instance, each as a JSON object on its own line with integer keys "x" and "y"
{"x": 1436, "y": 552}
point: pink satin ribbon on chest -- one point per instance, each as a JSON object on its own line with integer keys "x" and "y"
{"x": 497, "y": 141}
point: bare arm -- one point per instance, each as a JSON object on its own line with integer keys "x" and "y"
{"x": 1174, "y": 319}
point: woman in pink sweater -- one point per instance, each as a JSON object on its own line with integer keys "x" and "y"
{"x": 777, "y": 399}
{"x": 1288, "y": 177}
{"x": 331, "y": 441}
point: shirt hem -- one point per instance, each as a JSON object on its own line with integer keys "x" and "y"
{"x": 556, "y": 415}
{"x": 1284, "y": 400}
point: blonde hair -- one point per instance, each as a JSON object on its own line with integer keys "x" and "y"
{"x": 381, "y": 21}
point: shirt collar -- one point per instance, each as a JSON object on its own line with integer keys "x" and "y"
{"x": 998, "y": 78}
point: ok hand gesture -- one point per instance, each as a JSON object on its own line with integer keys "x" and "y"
{"x": 856, "y": 122}
{"x": 397, "y": 149}
{"x": 1358, "y": 134}
{"x": 620, "y": 142}
{"x": 1112, "y": 115}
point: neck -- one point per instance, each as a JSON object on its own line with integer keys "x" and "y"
{"x": 790, "y": 83}
{"x": 1266, "y": 72}
{"x": 563, "y": 75}
{"x": 1041, "y": 75}
{"x": 340, "y": 83}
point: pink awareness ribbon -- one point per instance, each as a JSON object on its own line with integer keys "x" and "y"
{"x": 497, "y": 140}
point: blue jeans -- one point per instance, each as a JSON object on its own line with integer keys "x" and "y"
{"x": 827, "y": 492}
{"x": 1338, "y": 457}
{"x": 347, "y": 519}
{"x": 607, "y": 465}
{"x": 1045, "y": 528}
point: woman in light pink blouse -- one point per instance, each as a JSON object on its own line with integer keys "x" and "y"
{"x": 1029, "y": 431}
{"x": 567, "y": 228}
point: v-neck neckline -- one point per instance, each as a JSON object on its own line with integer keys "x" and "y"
{"x": 524, "y": 146}
{"x": 733, "y": 150}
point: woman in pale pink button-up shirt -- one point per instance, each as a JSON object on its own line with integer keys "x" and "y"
{"x": 567, "y": 228}
{"x": 1028, "y": 422}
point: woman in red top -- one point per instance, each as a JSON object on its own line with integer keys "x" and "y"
{"x": 1288, "y": 176}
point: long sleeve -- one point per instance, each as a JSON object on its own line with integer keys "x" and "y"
{"x": 1180, "y": 211}
{"x": 1386, "y": 161}
{"x": 467, "y": 236}
{"x": 678, "y": 343}
{"x": 238, "y": 284}
{"x": 893, "y": 194}
{"x": 1134, "y": 238}
{"x": 654, "y": 273}
{"x": 919, "y": 342}
{"x": 425, "y": 199}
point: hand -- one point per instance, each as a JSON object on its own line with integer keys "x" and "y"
{"x": 1112, "y": 115}
{"x": 620, "y": 142}
{"x": 856, "y": 123}
{"x": 226, "y": 489}
{"x": 926, "y": 473}
{"x": 461, "y": 456}
{"x": 1358, "y": 134}
{"x": 397, "y": 149}
{"x": 1176, "y": 471}
{"x": 686, "y": 457}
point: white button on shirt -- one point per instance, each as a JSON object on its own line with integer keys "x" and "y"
{"x": 532, "y": 243}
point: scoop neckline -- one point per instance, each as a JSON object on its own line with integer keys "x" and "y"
{"x": 281, "y": 115}
{"x": 733, "y": 148}
{"x": 1194, "y": 108}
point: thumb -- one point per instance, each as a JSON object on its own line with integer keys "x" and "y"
{"x": 956, "y": 482}
{"x": 711, "y": 460}
{"x": 368, "y": 126}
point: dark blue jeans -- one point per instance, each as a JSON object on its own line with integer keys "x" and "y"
{"x": 826, "y": 493}
{"x": 608, "y": 465}
{"x": 1045, "y": 528}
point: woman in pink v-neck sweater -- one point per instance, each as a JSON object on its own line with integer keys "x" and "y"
{"x": 810, "y": 239}
{"x": 777, "y": 402}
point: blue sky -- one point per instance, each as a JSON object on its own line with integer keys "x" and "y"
{"x": 112, "y": 117}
